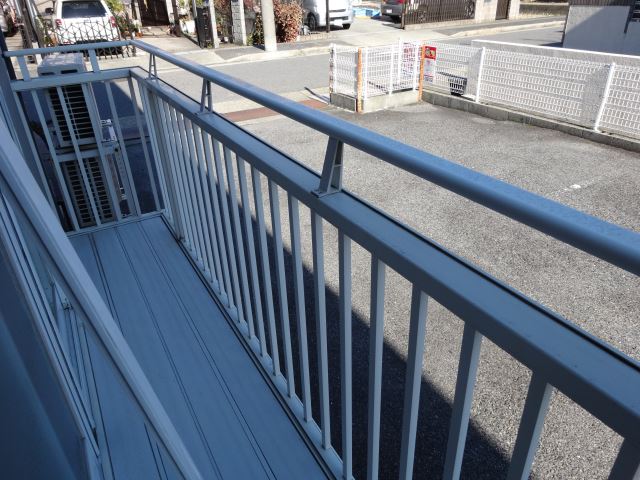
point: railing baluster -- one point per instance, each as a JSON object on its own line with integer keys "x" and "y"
{"x": 251, "y": 249}
{"x": 298, "y": 285}
{"x": 135, "y": 208}
{"x": 56, "y": 164}
{"x": 467, "y": 369}
{"x": 266, "y": 272}
{"x": 76, "y": 149}
{"x": 94, "y": 117}
{"x": 376, "y": 337}
{"x": 169, "y": 126}
{"x": 344, "y": 267}
{"x": 184, "y": 131}
{"x": 274, "y": 203}
{"x": 192, "y": 165}
{"x": 531, "y": 423}
{"x": 627, "y": 464}
{"x": 166, "y": 124}
{"x": 235, "y": 216}
{"x": 183, "y": 181}
{"x": 317, "y": 243}
{"x": 211, "y": 236}
{"x": 145, "y": 150}
{"x": 214, "y": 185}
{"x": 226, "y": 222}
{"x": 413, "y": 377}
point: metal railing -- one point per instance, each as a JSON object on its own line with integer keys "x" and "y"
{"x": 67, "y": 309}
{"x": 212, "y": 177}
{"x": 432, "y": 11}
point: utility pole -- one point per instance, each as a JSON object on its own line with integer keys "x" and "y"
{"x": 177, "y": 31}
{"x": 327, "y": 16}
{"x": 268, "y": 26}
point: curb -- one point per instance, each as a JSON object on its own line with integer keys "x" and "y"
{"x": 508, "y": 28}
{"x": 298, "y": 52}
{"x": 502, "y": 114}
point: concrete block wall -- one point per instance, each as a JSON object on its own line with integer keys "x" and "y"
{"x": 601, "y": 29}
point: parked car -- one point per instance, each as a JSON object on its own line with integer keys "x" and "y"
{"x": 84, "y": 21}
{"x": 340, "y": 13}
{"x": 392, "y": 9}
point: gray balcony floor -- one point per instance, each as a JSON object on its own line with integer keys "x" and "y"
{"x": 220, "y": 404}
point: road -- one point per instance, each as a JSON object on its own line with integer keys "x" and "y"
{"x": 298, "y": 73}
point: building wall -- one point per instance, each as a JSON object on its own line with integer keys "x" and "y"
{"x": 601, "y": 28}
{"x": 486, "y": 10}
{"x": 586, "y": 55}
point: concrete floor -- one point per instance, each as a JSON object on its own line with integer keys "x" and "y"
{"x": 593, "y": 178}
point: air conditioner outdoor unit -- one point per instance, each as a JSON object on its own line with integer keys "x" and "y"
{"x": 87, "y": 179}
{"x": 76, "y": 100}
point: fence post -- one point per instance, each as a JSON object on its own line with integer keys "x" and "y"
{"x": 391, "y": 65}
{"x": 479, "y": 74}
{"x": 421, "y": 79}
{"x": 605, "y": 96}
{"x": 359, "y": 92}
{"x": 334, "y": 69}
{"x": 365, "y": 74}
{"x": 416, "y": 62}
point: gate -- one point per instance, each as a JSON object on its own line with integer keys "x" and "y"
{"x": 502, "y": 12}
{"x": 431, "y": 11}
{"x": 154, "y": 12}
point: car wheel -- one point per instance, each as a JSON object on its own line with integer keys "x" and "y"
{"x": 395, "y": 18}
{"x": 312, "y": 22}
{"x": 346, "y": 26}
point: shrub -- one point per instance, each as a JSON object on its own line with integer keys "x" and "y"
{"x": 288, "y": 18}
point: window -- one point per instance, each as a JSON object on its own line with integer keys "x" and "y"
{"x": 78, "y": 9}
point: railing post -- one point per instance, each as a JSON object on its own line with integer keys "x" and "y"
{"x": 331, "y": 179}
{"x": 359, "y": 91}
{"x": 334, "y": 69}
{"x": 421, "y": 79}
{"x": 482, "y": 53}
{"x": 605, "y": 96}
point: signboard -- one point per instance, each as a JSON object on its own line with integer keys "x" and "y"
{"x": 429, "y": 63}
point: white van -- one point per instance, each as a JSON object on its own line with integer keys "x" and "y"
{"x": 84, "y": 21}
{"x": 340, "y": 13}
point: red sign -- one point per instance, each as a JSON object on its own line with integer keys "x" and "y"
{"x": 429, "y": 63}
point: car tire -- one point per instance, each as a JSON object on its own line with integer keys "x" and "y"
{"x": 346, "y": 26}
{"x": 312, "y": 22}
{"x": 395, "y": 18}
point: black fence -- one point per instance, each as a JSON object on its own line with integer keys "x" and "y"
{"x": 90, "y": 31}
{"x": 431, "y": 11}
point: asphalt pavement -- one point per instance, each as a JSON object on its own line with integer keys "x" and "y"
{"x": 593, "y": 178}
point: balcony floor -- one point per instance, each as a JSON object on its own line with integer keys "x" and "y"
{"x": 220, "y": 404}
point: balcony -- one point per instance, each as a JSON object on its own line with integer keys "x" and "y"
{"x": 165, "y": 303}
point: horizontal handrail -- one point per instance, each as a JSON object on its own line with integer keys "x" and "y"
{"x": 601, "y": 239}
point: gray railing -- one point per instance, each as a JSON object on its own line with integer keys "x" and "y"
{"x": 67, "y": 310}
{"x": 212, "y": 177}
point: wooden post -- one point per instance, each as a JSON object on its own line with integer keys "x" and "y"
{"x": 421, "y": 79}
{"x": 359, "y": 77}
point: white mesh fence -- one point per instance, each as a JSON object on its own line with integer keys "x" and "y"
{"x": 621, "y": 112}
{"x": 574, "y": 91}
{"x": 344, "y": 70}
{"x": 384, "y": 69}
{"x": 454, "y": 70}
{"x": 562, "y": 88}
{"x": 390, "y": 68}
